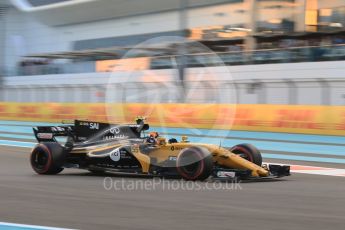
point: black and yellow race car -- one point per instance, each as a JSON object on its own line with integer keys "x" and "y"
{"x": 102, "y": 147}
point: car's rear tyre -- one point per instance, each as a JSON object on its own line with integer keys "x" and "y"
{"x": 194, "y": 163}
{"x": 47, "y": 158}
{"x": 248, "y": 152}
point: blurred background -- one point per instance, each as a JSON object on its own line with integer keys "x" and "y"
{"x": 283, "y": 52}
{"x": 223, "y": 72}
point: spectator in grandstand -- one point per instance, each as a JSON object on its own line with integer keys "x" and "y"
{"x": 339, "y": 39}
{"x": 234, "y": 48}
{"x": 316, "y": 51}
{"x": 326, "y": 41}
{"x": 32, "y": 67}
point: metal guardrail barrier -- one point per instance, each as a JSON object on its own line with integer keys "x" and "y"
{"x": 265, "y": 56}
{"x": 277, "y": 91}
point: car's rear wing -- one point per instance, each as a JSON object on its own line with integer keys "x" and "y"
{"x": 89, "y": 131}
{"x": 48, "y": 133}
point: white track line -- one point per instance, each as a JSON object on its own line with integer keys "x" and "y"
{"x": 26, "y": 226}
{"x": 315, "y": 170}
{"x": 318, "y": 170}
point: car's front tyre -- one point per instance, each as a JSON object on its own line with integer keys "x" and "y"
{"x": 248, "y": 152}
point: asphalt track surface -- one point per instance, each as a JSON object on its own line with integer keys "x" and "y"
{"x": 77, "y": 199}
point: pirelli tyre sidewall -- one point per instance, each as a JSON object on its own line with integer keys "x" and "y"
{"x": 248, "y": 152}
{"x": 47, "y": 158}
{"x": 194, "y": 163}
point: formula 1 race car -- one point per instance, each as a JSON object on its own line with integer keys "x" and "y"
{"x": 102, "y": 147}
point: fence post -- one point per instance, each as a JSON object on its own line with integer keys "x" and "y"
{"x": 293, "y": 91}
{"x": 260, "y": 88}
{"x": 325, "y": 91}
{"x": 236, "y": 87}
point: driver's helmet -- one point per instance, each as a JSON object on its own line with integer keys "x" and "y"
{"x": 153, "y": 134}
{"x": 152, "y": 138}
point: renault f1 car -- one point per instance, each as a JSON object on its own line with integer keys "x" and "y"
{"x": 102, "y": 147}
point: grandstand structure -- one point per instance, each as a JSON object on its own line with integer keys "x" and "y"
{"x": 32, "y": 27}
{"x": 48, "y": 42}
